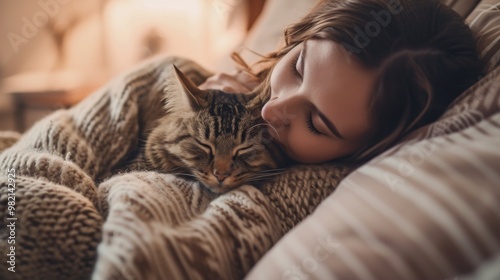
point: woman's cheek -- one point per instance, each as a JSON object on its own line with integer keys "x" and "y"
{"x": 296, "y": 145}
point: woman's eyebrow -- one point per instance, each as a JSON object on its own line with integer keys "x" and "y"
{"x": 302, "y": 63}
{"x": 330, "y": 125}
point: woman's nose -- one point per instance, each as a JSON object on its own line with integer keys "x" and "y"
{"x": 281, "y": 111}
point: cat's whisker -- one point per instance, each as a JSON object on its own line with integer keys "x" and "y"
{"x": 184, "y": 174}
{"x": 178, "y": 167}
{"x": 266, "y": 124}
{"x": 272, "y": 170}
{"x": 254, "y": 180}
{"x": 263, "y": 176}
{"x": 275, "y": 130}
{"x": 254, "y": 126}
{"x": 175, "y": 169}
{"x": 268, "y": 174}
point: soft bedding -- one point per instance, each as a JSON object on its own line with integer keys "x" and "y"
{"x": 75, "y": 219}
{"x": 425, "y": 209}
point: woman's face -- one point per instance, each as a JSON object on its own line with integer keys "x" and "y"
{"x": 319, "y": 102}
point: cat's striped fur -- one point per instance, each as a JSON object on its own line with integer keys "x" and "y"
{"x": 215, "y": 137}
{"x": 139, "y": 225}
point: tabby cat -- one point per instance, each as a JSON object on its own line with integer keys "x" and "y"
{"x": 214, "y": 137}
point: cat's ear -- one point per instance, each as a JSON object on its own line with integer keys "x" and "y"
{"x": 194, "y": 95}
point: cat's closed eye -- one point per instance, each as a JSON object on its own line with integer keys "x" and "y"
{"x": 206, "y": 148}
{"x": 240, "y": 151}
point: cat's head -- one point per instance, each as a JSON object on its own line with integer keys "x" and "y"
{"x": 217, "y": 137}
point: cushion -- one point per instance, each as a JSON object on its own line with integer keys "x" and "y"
{"x": 485, "y": 22}
{"x": 462, "y": 7}
{"x": 425, "y": 209}
{"x": 489, "y": 270}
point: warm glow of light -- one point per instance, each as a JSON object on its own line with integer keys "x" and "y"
{"x": 197, "y": 29}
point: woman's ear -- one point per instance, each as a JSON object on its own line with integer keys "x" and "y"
{"x": 189, "y": 93}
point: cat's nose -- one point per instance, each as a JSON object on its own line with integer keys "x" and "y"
{"x": 221, "y": 176}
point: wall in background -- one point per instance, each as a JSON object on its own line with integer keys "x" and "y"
{"x": 66, "y": 44}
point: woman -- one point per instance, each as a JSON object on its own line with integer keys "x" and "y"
{"x": 355, "y": 76}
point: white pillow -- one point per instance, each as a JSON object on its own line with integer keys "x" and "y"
{"x": 429, "y": 211}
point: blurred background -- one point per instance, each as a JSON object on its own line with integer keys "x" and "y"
{"x": 53, "y": 53}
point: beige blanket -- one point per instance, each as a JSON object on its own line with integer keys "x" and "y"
{"x": 71, "y": 220}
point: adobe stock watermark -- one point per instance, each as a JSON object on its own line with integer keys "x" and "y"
{"x": 419, "y": 153}
{"x": 30, "y": 26}
{"x": 324, "y": 248}
{"x": 372, "y": 29}
{"x": 223, "y": 7}
{"x": 11, "y": 219}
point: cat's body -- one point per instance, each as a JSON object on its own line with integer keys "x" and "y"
{"x": 214, "y": 137}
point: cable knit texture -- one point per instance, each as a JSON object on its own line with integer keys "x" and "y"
{"x": 76, "y": 219}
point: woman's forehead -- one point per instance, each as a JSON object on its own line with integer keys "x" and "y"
{"x": 339, "y": 87}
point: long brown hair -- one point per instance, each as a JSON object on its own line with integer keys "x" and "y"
{"x": 423, "y": 52}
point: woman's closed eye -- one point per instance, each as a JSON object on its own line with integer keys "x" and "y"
{"x": 310, "y": 125}
{"x": 326, "y": 127}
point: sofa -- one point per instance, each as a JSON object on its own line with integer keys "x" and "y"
{"x": 425, "y": 209}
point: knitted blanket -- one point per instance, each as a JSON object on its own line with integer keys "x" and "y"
{"x": 64, "y": 216}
